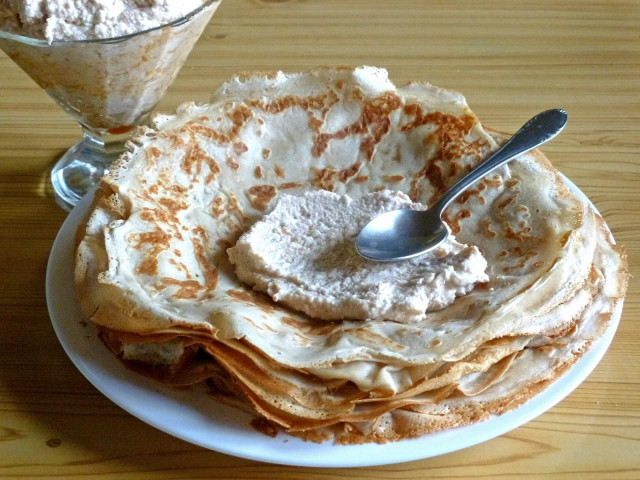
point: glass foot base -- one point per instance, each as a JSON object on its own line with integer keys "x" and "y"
{"x": 77, "y": 171}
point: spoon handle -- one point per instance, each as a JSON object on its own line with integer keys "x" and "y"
{"x": 538, "y": 130}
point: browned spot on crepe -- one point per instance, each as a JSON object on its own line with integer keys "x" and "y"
{"x": 159, "y": 241}
{"x": 152, "y": 154}
{"x": 289, "y": 185}
{"x": 368, "y": 336}
{"x": 181, "y": 266}
{"x": 171, "y": 205}
{"x": 261, "y": 195}
{"x": 279, "y": 171}
{"x": 486, "y": 224}
{"x": 373, "y": 123}
{"x": 231, "y": 163}
{"x": 311, "y": 327}
{"x": 240, "y": 147}
{"x": 345, "y": 174}
{"x": 253, "y": 298}
{"x": 210, "y": 272}
{"x": 326, "y": 178}
{"x": 393, "y": 178}
{"x": 454, "y": 223}
{"x": 471, "y": 192}
{"x": 217, "y": 209}
{"x": 565, "y": 238}
{"x": 206, "y": 132}
{"x": 193, "y": 160}
{"x": 188, "y": 289}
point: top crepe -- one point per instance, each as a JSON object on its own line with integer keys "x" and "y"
{"x": 152, "y": 268}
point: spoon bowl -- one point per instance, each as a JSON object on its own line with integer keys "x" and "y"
{"x": 403, "y": 234}
{"x": 419, "y": 228}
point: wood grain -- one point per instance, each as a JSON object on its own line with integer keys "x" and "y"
{"x": 510, "y": 59}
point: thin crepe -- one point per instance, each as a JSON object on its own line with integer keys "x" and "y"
{"x": 151, "y": 259}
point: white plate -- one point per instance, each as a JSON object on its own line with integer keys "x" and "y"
{"x": 195, "y": 417}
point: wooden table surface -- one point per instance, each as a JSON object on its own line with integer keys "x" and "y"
{"x": 510, "y": 59}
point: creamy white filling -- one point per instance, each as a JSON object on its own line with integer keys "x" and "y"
{"x": 303, "y": 255}
{"x": 89, "y": 19}
{"x": 156, "y": 353}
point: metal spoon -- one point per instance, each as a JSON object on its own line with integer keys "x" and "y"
{"x": 402, "y": 234}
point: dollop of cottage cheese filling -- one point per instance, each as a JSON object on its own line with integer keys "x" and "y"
{"x": 155, "y": 353}
{"x": 303, "y": 255}
{"x": 89, "y": 19}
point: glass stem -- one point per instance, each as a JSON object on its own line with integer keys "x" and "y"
{"x": 106, "y": 144}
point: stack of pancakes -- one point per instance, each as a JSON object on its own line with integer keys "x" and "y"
{"x": 153, "y": 274}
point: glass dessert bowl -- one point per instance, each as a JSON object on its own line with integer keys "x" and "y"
{"x": 109, "y": 86}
